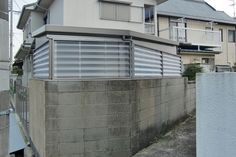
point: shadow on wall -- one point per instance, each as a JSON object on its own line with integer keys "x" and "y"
{"x": 4, "y": 124}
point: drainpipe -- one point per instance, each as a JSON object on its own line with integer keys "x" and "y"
{"x": 51, "y": 66}
{"x": 235, "y": 49}
{"x": 131, "y": 65}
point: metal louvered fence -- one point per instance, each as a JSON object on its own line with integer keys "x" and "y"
{"x": 70, "y": 59}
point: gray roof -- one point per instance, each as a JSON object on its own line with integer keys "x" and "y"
{"x": 194, "y": 9}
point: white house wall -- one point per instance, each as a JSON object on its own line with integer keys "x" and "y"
{"x": 56, "y": 12}
{"x": 4, "y": 55}
{"x": 36, "y": 21}
{"x": 87, "y": 14}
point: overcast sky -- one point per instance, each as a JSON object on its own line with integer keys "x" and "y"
{"x": 223, "y": 5}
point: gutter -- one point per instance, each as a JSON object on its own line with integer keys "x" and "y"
{"x": 84, "y": 31}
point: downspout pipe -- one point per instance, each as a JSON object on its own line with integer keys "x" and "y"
{"x": 131, "y": 65}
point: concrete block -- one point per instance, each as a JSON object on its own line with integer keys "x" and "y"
{"x": 119, "y": 144}
{"x": 52, "y": 137}
{"x": 94, "y": 86}
{"x": 148, "y": 83}
{"x": 82, "y": 86}
{"x": 126, "y": 153}
{"x": 70, "y": 98}
{"x": 118, "y": 97}
{"x": 119, "y": 132}
{"x": 69, "y": 149}
{"x": 119, "y": 108}
{"x": 76, "y": 111}
{"x": 120, "y": 119}
{"x": 71, "y": 136}
{"x": 115, "y": 85}
{"x": 97, "y": 154}
{"x": 70, "y": 86}
{"x": 52, "y": 150}
{"x": 95, "y": 146}
{"x": 96, "y": 122}
{"x": 94, "y": 134}
{"x": 52, "y": 99}
{"x": 94, "y": 98}
{"x": 51, "y": 86}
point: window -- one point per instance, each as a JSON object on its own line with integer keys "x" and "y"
{"x": 115, "y": 11}
{"x": 205, "y": 60}
{"x": 149, "y": 14}
{"x": 221, "y": 34}
{"x": 231, "y": 35}
{"x": 149, "y": 19}
{"x": 209, "y": 61}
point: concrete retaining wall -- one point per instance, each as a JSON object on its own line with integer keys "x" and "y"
{"x": 104, "y": 118}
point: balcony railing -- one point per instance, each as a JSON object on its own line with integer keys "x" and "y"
{"x": 198, "y": 37}
{"x": 150, "y": 28}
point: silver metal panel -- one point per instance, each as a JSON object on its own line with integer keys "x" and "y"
{"x": 16, "y": 138}
{"x": 41, "y": 61}
{"x": 81, "y": 59}
{"x": 171, "y": 65}
{"x": 147, "y": 62}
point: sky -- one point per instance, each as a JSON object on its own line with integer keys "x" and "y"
{"x": 222, "y": 5}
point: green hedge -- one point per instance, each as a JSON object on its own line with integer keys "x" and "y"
{"x": 191, "y": 70}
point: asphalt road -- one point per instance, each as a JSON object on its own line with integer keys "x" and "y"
{"x": 179, "y": 142}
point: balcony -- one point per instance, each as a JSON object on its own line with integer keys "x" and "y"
{"x": 149, "y": 28}
{"x": 197, "y": 40}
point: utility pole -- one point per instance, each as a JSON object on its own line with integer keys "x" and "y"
{"x": 11, "y": 34}
{"x": 233, "y": 5}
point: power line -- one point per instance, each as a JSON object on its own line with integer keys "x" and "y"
{"x": 17, "y": 5}
{"x": 233, "y": 5}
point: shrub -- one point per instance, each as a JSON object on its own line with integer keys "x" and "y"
{"x": 191, "y": 70}
{"x": 234, "y": 67}
{"x": 17, "y": 70}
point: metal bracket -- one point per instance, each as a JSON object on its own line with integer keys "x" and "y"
{"x": 6, "y": 112}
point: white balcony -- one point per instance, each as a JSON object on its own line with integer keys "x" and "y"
{"x": 197, "y": 39}
{"x": 149, "y": 28}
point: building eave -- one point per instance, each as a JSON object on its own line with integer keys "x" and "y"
{"x": 23, "y": 51}
{"x": 168, "y": 14}
{"x": 83, "y": 31}
{"x": 24, "y": 16}
{"x": 44, "y": 3}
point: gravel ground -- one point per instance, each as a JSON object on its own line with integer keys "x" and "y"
{"x": 179, "y": 142}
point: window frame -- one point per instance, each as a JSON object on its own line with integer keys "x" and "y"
{"x": 116, "y": 4}
{"x": 222, "y": 34}
{"x": 232, "y": 31}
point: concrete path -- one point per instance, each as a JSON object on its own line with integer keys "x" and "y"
{"x": 179, "y": 142}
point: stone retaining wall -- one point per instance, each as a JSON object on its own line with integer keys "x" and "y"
{"x": 104, "y": 118}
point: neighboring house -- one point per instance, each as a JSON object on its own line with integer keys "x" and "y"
{"x": 206, "y": 36}
{"x": 79, "y": 41}
{"x": 4, "y": 48}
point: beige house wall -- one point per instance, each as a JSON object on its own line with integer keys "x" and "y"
{"x": 228, "y": 48}
{"x": 188, "y": 59}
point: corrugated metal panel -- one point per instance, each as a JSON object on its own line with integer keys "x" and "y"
{"x": 171, "y": 65}
{"x": 41, "y": 61}
{"x": 147, "y": 62}
{"x": 81, "y": 59}
{"x": 16, "y": 138}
